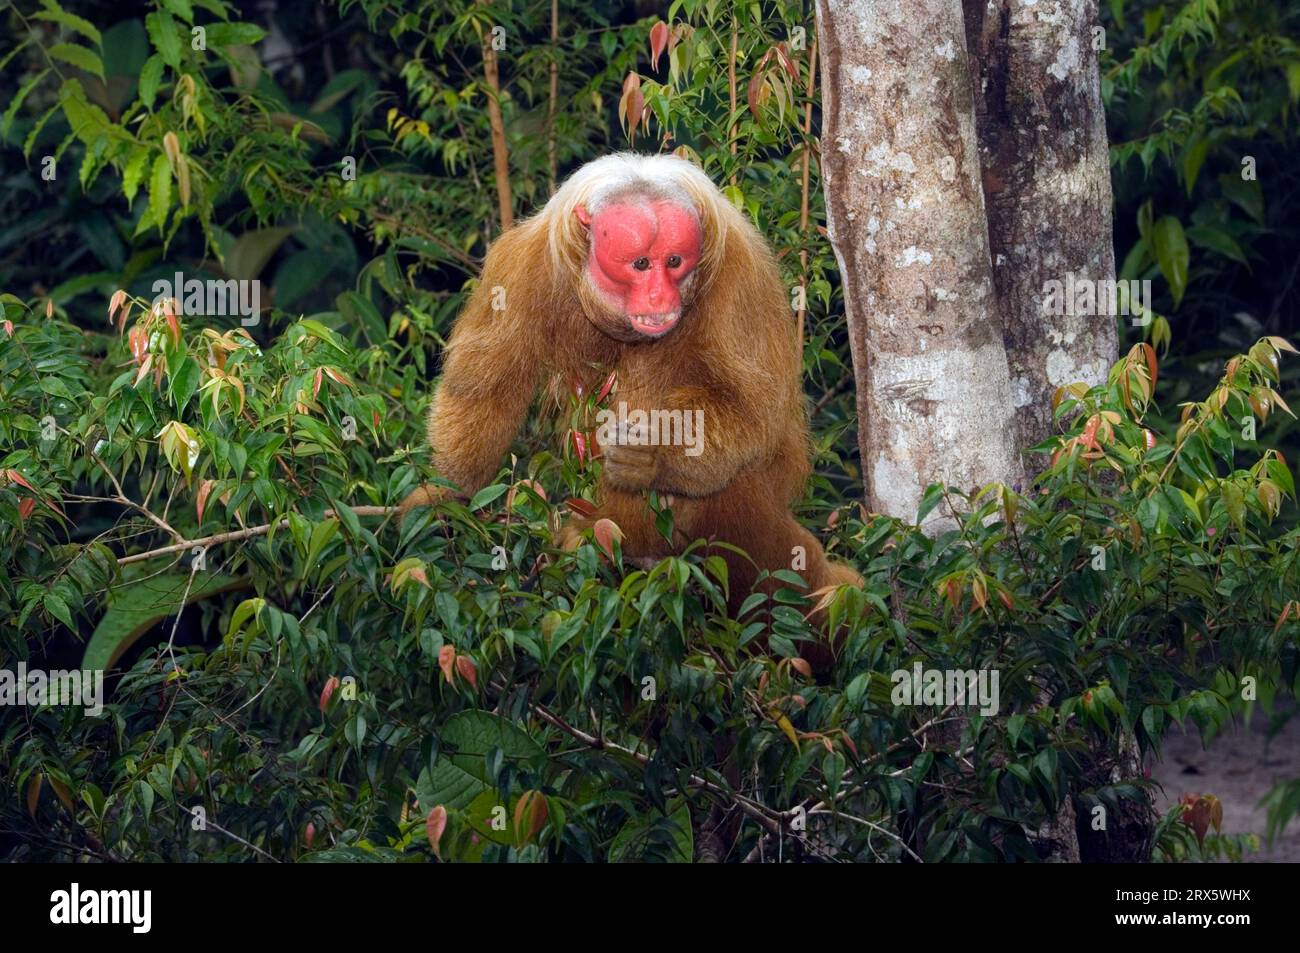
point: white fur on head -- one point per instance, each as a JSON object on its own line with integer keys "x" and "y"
{"x": 611, "y": 176}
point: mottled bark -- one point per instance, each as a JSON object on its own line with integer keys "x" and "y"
{"x": 906, "y": 219}
{"x": 1043, "y": 150}
{"x": 1046, "y": 171}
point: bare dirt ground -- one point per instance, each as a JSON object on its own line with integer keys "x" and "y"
{"x": 1238, "y": 768}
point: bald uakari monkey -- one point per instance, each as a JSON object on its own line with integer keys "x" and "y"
{"x": 640, "y": 266}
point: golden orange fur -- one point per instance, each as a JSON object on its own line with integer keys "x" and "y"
{"x": 733, "y": 355}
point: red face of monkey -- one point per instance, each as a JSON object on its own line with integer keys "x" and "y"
{"x": 641, "y": 254}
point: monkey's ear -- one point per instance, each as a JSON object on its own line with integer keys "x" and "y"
{"x": 583, "y": 215}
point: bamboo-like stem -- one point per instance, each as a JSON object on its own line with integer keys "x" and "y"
{"x": 553, "y": 163}
{"x": 803, "y": 202}
{"x": 500, "y": 152}
{"x": 731, "y": 88}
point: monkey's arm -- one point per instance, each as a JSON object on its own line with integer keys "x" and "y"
{"x": 490, "y": 373}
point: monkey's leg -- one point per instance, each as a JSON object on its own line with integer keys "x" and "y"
{"x": 426, "y": 495}
{"x": 642, "y": 543}
{"x": 775, "y": 540}
{"x": 819, "y": 573}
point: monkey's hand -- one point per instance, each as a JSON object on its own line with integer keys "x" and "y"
{"x": 631, "y": 463}
{"x": 719, "y": 437}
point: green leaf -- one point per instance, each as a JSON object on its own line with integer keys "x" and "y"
{"x": 299, "y": 276}
{"x": 1246, "y": 195}
{"x": 150, "y": 80}
{"x": 1193, "y": 158}
{"x": 79, "y": 57}
{"x": 1135, "y": 261}
{"x": 1216, "y": 240}
{"x": 181, "y": 8}
{"x": 461, "y": 773}
{"x": 933, "y": 496}
{"x": 134, "y": 172}
{"x": 53, "y": 14}
{"x": 136, "y": 607}
{"x": 56, "y": 607}
{"x": 234, "y": 34}
{"x": 252, "y": 250}
{"x": 17, "y": 102}
{"x": 631, "y": 843}
{"x": 486, "y": 495}
{"x": 164, "y": 37}
{"x": 1172, "y": 254}
{"x": 160, "y": 195}
{"x": 184, "y": 382}
{"x": 87, "y": 120}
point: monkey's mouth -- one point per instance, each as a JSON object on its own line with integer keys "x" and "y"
{"x": 654, "y": 325}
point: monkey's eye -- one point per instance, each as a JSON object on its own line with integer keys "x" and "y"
{"x": 641, "y": 264}
{"x": 674, "y": 261}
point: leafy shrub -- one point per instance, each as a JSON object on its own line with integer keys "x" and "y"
{"x": 202, "y": 509}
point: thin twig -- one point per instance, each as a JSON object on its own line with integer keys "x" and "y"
{"x": 844, "y": 384}
{"x": 765, "y": 816}
{"x": 875, "y": 827}
{"x": 208, "y": 822}
{"x": 124, "y": 500}
{"x": 500, "y": 155}
{"x": 554, "y": 104}
{"x": 731, "y": 88}
{"x": 248, "y": 533}
{"x": 803, "y": 202}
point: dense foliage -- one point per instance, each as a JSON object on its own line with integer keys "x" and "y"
{"x": 198, "y": 504}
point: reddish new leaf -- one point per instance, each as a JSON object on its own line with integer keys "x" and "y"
{"x": 331, "y": 686}
{"x": 447, "y": 658}
{"x": 465, "y": 666}
{"x": 433, "y": 828}
{"x": 658, "y": 42}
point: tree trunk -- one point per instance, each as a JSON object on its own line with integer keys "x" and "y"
{"x": 956, "y": 373}
{"x": 1043, "y": 150}
{"x": 1044, "y": 155}
{"x": 905, "y": 213}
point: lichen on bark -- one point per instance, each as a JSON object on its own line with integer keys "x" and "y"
{"x": 1046, "y": 178}
{"x": 907, "y": 222}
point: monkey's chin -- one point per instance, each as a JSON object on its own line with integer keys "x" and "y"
{"x": 654, "y": 325}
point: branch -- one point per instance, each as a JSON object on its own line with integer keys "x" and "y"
{"x": 500, "y": 157}
{"x": 208, "y": 822}
{"x": 555, "y": 93}
{"x": 769, "y": 819}
{"x": 238, "y": 534}
{"x": 731, "y": 88}
{"x": 125, "y": 501}
{"x": 844, "y": 384}
{"x": 803, "y": 202}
